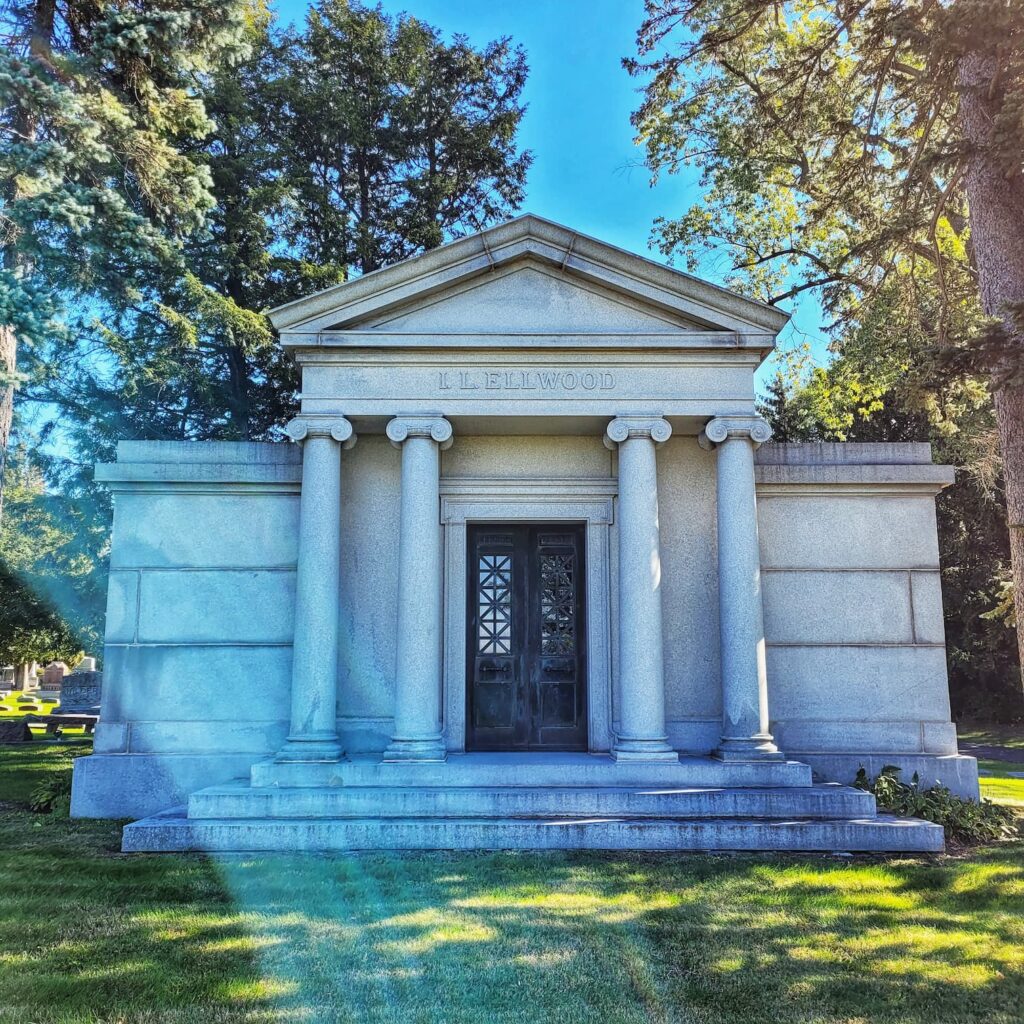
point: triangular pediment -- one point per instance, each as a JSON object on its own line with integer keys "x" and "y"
{"x": 528, "y": 276}
{"x": 528, "y": 297}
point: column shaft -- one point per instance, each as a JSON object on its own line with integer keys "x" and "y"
{"x": 642, "y": 734}
{"x": 313, "y": 735}
{"x": 745, "y": 722}
{"x": 417, "y": 734}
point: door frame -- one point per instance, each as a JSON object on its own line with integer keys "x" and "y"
{"x": 586, "y": 501}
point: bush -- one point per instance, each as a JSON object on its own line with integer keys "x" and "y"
{"x": 966, "y": 821}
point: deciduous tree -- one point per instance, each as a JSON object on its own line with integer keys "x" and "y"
{"x": 853, "y": 147}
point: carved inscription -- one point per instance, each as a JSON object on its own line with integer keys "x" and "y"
{"x": 526, "y": 380}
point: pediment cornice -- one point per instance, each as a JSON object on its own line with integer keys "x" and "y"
{"x": 695, "y": 305}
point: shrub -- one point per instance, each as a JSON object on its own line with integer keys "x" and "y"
{"x": 53, "y": 793}
{"x": 966, "y": 821}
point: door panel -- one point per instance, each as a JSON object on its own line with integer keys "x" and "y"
{"x": 525, "y": 666}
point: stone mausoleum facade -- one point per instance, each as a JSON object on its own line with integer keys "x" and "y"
{"x": 529, "y": 573}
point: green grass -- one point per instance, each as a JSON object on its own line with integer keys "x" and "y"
{"x": 999, "y": 782}
{"x": 1003, "y": 791}
{"x": 89, "y": 935}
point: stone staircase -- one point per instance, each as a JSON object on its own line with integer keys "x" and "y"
{"x": 530, "y": 801}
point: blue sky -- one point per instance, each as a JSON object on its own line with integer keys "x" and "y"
{"x": 587, "y": 173}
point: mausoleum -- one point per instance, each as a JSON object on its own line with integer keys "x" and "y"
{"x": 529, "y": 572}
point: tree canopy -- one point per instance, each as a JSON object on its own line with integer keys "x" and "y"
{"x": 868, "y": 151}
{"x": 50, "y": 590}
{"x": 98, "y": 107}
{"x": 259, "y": 164}
{"x": 353, "y": 142}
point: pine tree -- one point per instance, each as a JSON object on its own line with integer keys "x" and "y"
{"x": 98, "y": 104}
{"x": 354, "y": 142}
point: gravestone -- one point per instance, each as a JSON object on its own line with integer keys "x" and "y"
{"x": 81, "y": 692}
{"x": 15, "y": 731}
{"x": 87, "y": 664}
{"x": 53, "y": 675}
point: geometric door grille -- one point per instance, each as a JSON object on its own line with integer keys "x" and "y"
{"x": 494, "y": 596}
{"x": 557, "y": 604}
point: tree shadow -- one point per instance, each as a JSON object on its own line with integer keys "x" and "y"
{"x": 586, "y": 937}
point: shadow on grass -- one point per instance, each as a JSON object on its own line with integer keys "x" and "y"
{"x": 530, "y": 937}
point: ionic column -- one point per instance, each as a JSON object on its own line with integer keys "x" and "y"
{"x": 642, "y": 735}
{"x": 313, "y": 735}
{"x": 745, "y": 732}
{"x": 417, "y": 735}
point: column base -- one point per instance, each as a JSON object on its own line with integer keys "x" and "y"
{"x": 748, "y": 748}
{"x": 643, "y": 750}
{"x": 310, "y": 748}
{"x": 431, "y": 749}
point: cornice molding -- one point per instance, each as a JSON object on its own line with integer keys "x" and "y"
{"x": 532, "y": 237}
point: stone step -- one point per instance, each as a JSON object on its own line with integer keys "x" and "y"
{"x": 533, "y": 769}
{"x": 174, "y": 832}
{"x": 242, "y": 801}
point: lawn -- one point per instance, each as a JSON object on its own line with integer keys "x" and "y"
{"x": 89, "y": 935}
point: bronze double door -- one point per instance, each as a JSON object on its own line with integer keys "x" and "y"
{"x": 525, "y": 646}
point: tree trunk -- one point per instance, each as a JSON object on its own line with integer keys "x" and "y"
{"x": 8, "y": 359}
{"x": 39, "y": 43}
{"x": 21, "y": 676}
{"x": 995, "y": 200}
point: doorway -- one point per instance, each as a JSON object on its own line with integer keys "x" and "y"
{"x": 526, "y": 637}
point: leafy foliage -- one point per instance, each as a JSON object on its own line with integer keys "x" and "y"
{"x": 827, "y": 137}
{"x": 321, "y": 153}
{"x": 52, "y": 794}
{"x": 967, "y": 822}
{"x": 332, "y": 150}
{"x": 868, "y": 151}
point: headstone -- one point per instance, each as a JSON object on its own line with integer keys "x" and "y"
{"x": 15, "y": 730}
{"x": 81, "y": 692}
{"x": 85, "y": 665}
{"x": 53, "y": 675}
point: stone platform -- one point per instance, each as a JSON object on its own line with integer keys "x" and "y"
{"x": 529, "y": 801}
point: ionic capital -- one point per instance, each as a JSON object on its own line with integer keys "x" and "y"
{"x": 623, "y": 428}
{"x": 335, "y": 427}
{"x": 437, "y": 428}
{"x": 723, "y": 428}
